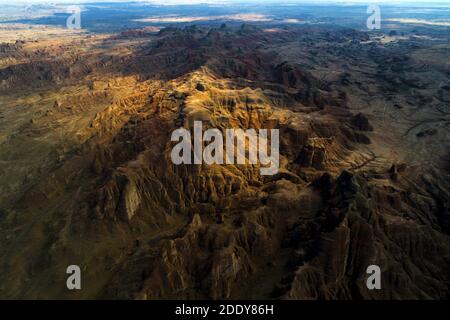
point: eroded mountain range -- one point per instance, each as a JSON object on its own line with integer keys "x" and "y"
{"x": 86, "y": 176}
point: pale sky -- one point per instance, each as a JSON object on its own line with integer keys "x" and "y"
{"x": 174, "y": 2}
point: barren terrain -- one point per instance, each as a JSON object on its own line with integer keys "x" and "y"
{"x": 86, "y": 176}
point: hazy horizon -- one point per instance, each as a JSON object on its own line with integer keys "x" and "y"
{"x": 224, "y": 2}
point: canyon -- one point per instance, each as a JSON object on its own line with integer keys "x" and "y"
{"x": 86, "y": 176}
